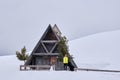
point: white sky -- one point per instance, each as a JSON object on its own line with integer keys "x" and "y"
{"x": 22, "y": 22}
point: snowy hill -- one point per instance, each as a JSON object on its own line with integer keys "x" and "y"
{"x": 95, "y": 51}
{"x": 98, "y": 50}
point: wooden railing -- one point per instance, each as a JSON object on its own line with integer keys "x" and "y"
{"x": 34, "y": 67}
{"x": 100, "y": 70}
{"x": 47, "y": 67}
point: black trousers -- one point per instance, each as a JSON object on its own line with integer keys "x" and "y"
{"x": 65, "y": 66}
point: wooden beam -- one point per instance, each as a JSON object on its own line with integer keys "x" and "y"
{"x": 53, "y": 47}
{"x": 40, "y": 54}
{"x": 44, "y": 47}
{"x": 49, "y": 41}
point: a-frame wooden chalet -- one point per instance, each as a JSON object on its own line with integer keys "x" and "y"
{"x": 46, "y": 49}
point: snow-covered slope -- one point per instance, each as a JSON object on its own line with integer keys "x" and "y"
{"x": 96, "y": 51}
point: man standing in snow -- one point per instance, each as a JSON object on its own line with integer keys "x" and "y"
{"x": 65, "y": 61}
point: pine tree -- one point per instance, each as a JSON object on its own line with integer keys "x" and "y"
{"x": 22, "y": 56}
{"x": 63, "y": 47}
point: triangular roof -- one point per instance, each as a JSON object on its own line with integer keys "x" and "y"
{"x": 56, "y": 29}
{"x": 44, "y": 35}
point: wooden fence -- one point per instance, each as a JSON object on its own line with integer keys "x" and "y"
{"x": 47, "y": 67}
{"x": 98, "y": 70}
{"x": 34, "y": 67}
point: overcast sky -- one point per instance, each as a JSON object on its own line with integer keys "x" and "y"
{"x": 22, "y": 22}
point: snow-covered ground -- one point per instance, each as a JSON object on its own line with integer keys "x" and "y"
{"x": 96, "y": 51}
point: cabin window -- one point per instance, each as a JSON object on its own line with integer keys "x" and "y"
{"x": 49, "y": 46}
{"x": 40, "y": 49}
{"x": 42, "y": 61}
{"x": 50, "y": 35}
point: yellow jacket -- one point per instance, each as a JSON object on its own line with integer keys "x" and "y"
{"x": 65, "y": 60}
